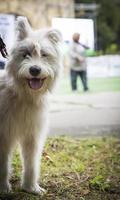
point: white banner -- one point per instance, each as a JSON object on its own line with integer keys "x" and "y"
{"x": 69, "y": 26}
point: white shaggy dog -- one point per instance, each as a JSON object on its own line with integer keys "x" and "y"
{"x": 31, "y": 72}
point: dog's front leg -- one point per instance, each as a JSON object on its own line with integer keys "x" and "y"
{"x": 4, "y": 167}
{"x": 31, "y": 157}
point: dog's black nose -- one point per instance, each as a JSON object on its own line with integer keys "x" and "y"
{"x": 35, "y": 70}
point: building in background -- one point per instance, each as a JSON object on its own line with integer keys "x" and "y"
{"x": 39, "y": 12}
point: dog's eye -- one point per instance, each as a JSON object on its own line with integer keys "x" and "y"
{"x": 26, "y": 55}
{"x": 43, "y": 54}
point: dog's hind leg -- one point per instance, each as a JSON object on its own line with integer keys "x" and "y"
{"x": 30, "y": 153}
{"x": 4, "y": 165}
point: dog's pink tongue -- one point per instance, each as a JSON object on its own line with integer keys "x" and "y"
{"x": 35, "y": 83}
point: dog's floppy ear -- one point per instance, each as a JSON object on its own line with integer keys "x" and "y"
{"x": 23, "y": 28}
{"x": 54, "y": 36}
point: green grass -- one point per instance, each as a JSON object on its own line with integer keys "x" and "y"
{"x": 95, "y": 85}
{"x": 75, "y": 169}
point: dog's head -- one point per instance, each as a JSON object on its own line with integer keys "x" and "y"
{"x": 35, "y": 59}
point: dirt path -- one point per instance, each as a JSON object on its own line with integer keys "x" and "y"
{"x": 85, "y": 114}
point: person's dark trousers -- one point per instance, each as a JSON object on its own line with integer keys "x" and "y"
{"x": 83, "y": 75}
{"x": 73, "y": 75}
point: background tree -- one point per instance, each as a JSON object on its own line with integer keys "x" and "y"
{"x": 108, "y": 22}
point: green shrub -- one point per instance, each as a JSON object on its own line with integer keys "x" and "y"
{"x": 112, "y": 49}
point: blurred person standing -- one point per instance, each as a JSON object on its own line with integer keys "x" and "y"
{"x": 78, "y": 65}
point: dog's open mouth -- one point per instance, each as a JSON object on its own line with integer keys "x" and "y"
{"x": 36, "y": 83}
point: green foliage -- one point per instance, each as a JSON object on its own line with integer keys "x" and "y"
{"x": 106, "y": 33}
{"x": 98, "y": 182}
{"x": 99, "y": 53}
{"x": 112, "y": 49}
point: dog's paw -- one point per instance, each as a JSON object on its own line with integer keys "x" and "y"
{"x": 5, "y": 188}
{"x": 34, "y": 189}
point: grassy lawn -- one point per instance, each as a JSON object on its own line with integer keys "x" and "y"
{"x": 75, "y": 169}
{"x": 95, "y": 85}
